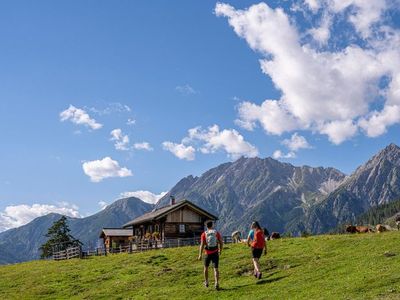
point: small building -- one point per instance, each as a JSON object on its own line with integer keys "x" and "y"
{"x": 116, "y": 238}
{"x": 177, "y": 220}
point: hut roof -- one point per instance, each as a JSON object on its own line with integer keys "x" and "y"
{"x": 161, "y": 212}
{"x": 116, "y": 232}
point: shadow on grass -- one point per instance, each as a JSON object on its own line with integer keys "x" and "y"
{"x": 264, "y": 281}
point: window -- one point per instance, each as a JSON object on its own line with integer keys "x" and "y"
{"x": 182, "y": 228}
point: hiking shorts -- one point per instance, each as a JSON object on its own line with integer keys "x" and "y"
{"x": 214, "y": 258}
{"x": 256, "y": 252}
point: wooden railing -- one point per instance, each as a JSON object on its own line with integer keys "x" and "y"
{"x": 68, "y": 253}
{"x": 134, "y": 247}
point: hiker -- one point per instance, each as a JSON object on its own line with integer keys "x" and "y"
{"x": 250, "y": 237}
{"x": 258, "y": 245}
{"x": 211, "y": 243}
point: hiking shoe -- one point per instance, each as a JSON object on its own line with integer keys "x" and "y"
{"x": 217, "y": 287}
{"x": 206, "y": 284}
{"x": 259, "y": 275}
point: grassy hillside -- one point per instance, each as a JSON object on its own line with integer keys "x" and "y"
{"x": 323, "y": 267}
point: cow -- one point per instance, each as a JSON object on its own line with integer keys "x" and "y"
{"x": 236, "y": 236}
{"x": 275, "y": 235}
{"x": 380, "y": 228}
{"x": 397, "y": 220}
{"x": 357, "y": 229}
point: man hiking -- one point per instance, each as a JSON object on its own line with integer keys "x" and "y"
{"x": 211, "y": 243}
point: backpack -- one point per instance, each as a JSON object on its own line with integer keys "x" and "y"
{"x": 211, "y": 239}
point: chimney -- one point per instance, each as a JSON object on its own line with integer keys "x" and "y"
{"x": 172, "y": 200}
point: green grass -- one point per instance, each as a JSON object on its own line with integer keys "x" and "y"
{"x": 321, "y": 267}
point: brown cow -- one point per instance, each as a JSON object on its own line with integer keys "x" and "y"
{"x": 275, "y": 235}
{"x": 358, "y": 229}
{"x": 351, "y": 229}
{"x": 380, "y": 228}
{"x": 363, "y": 229}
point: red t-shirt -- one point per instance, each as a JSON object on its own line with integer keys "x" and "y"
{"x": 259, "y": 240}
{"x": 203, "y": 239}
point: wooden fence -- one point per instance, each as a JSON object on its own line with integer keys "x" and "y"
{"x": 134, "y": 247}
{"x": 68, "y": 253}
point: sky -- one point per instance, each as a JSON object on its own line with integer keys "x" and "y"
{"x": 105, "y": 99}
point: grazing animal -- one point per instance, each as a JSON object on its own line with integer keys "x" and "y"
{"x": 380, "y": 228}
{"x": 266, "y": 234}
{"x": 236, "y": 236}
{"x": 397, "y": 220}
{"x": 275, "y": 235}
{"x": 351, "y": 229}
{"x": 357, "y": 229}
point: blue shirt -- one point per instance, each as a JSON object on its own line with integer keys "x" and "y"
{"x": 251, "y": 234}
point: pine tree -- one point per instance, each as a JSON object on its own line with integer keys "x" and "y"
{"x": 59, "y": 236}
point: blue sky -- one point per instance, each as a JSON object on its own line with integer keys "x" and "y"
{"x": 173, "y": 66}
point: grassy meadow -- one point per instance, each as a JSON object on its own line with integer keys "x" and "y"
{"x": 320, "y": 267}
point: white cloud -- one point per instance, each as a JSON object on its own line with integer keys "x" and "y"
{"x": 229, "y": 140}
{"x": 377, "y": 123}
{"x": 80, "y": 117}
{"x": 314, "y": 5}
{"x": 296, "y": 142}
{"x": 211, "y": 140}
{"x": 339, "y": 131}
{"x": 145, "y": 196}
{"x": 185, "y": 89}
{"x": 121, "y": 140}
{"x": 143, "y": 146}
{"x": 131, "y": 122}
{"x": 180, "y": 150}
{"x": 278, "y": 154}
{"x": 98, "y": 170}
{"x": 112, "y": 107}
{"x": 102, "y": 204}
{"x": 270, "y": 115}
{"x": 322, "y": 33}
{"x": 18, "y": 215}
{"x": 324, "y": 91}
{"x": 364, "y": 14}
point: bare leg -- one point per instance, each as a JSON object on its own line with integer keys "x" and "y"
{"x": 256, "y": 265}
{"x": 216, "y": 276}
{"x": 206, "y": 274}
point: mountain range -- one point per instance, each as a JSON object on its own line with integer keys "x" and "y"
{"x": 283, "y": 197}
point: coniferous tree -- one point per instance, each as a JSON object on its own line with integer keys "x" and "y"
{"x": 59, "y": 237}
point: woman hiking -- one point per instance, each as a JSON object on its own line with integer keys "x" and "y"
{"x": 258, "y": 246}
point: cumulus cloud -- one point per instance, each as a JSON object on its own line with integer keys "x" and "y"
{"x": 328, "y": 91}
{"x": 213, "y": 139}
{"x": 121, "y": 140}
{"x": 102, "y": 204}
{"x": 18, "y": 215}
{"x": 278, "y": 154}
{"x": 79, "y": 117}
{"x": 98, "y": 170}
{"x": 180, "y": 150}
{"x": 143, "y": 146}
{"x": 145, "y": 196}
{"x": 296, "y": 142}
